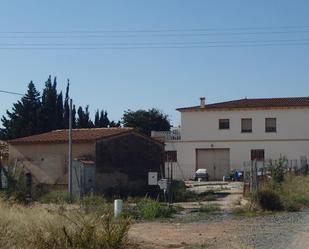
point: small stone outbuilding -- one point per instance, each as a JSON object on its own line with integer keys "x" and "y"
{"x": 122, "y": 157}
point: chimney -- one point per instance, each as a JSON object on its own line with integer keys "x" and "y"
{"x": 202, "y": 102}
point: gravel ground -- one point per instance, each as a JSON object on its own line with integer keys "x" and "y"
{"x": 288, "y": 230}
{"x": 283, "y": 230}
{"x": 190, "y": 230}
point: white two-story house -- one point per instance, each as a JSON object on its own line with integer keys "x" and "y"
{"x": 222, "y": 136}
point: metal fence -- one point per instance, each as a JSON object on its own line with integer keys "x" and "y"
{"x": 257, "y": 173}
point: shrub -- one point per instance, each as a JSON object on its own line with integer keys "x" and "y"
{"x": 17, "y": 190}
{"x": 81, "y": 232}
{"x": 294, "y": 192}
{"x": 278, "y": 170}
{"x": 151, "y": 209}
{"x": 36, "y": 228}
{"x": 269, "y": 200}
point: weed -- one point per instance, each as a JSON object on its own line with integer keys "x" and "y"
{"x": 151, "y": 209}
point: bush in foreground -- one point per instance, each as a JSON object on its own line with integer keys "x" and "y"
{"x": 294, "y": 192}
{"x": 290, "y": 195}
{"x": 269, "y": 200}
{"x": 36, "y": 228}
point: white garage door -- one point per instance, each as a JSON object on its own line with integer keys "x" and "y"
{"x": 216, "y": 161}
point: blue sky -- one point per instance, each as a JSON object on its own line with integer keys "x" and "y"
{"x": 165, "y": 78}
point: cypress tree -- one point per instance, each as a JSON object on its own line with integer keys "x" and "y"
{"x": 66, "y": 107}
{"x": 104, "y": 121}
{"x": 74, "y": 122}
{"x": 60, "y": 111}
{"x": 97, "y": 119}
{"x": 49, "y": 106}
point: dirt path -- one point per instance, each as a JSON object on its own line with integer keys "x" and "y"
{"x": 163, "y": 235}
{"x": 281, "y": 231}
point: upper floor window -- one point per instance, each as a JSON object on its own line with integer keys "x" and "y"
{"x": 224, "y": 124}
{"x": 270, "y": 125}
{"x": 246, "y": 125}
{"x": 171, "y": 156}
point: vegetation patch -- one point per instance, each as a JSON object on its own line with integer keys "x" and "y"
{"x": 250, "y": 211}
{"x": 294, "y": 192}
{"x": 55, "y": 197}
{"x": 33, "y": 227}
{"x": 269, "y": 200}
{"x": 151, "y": 209}
{"x": 291, "y": 194}
{"x": 181, "y": 193}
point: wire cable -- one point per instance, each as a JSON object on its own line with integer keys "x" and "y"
{"x": 154, "y": 47}
{"x": 14, "y": 93}
{"x": 158, "y": 43}
{"x": 155, "y": 30}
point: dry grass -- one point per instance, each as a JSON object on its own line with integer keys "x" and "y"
{"x": 294, "y": 192}
{"x": 34, "y": 227}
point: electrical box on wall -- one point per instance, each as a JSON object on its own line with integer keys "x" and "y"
{"x": 152, "y": 178}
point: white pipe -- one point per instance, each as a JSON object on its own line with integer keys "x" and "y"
{"x": 118, "y": 207}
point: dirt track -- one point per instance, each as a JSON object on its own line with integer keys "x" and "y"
{"x": 286, "y": 230}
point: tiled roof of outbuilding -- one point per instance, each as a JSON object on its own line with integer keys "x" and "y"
{"x": 252, "y": 103}
{"x": 78, "y": 135}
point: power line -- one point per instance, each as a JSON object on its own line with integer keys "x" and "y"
{"x": 155, "y": 30}
{"x": 156, "y": 35}
{"x": 157, "y": 43}
{"x": 156, "y": 47}
{"x": 14, "y": 93}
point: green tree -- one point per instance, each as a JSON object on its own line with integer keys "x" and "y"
{"x": 146, "y": 121}
{"x": 23, "y": 119}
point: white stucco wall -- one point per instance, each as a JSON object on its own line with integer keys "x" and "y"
{"x": 240, "y": 152}
{"x": 51, "y": 158}
{"x": 204, "y": 125}
{"x": 200, "y": 130}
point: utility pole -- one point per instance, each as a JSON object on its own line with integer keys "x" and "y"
{"x": 70, "y": 151}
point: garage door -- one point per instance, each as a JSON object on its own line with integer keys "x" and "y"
{"x": 216, "y": 161}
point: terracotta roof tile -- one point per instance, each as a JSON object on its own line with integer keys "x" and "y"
{"x": 78, "y": 135}
{"x": 252, "y": 103}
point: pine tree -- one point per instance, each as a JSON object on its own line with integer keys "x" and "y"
{"x": 23, "y": 119}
